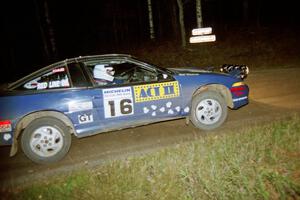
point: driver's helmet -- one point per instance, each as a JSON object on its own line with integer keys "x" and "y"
{"x": 103, "y": 72}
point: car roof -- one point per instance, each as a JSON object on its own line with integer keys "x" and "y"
{"x": 66, "y": 62}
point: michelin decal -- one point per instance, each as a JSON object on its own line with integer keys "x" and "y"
{"x": 118, "y": 102}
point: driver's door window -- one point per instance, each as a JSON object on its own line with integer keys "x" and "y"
{"x": 132, "y": 73}
{"x": 120, "y": 73}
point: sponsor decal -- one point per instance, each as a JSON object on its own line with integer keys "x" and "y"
{"x": 59, "y": 83}
{"x": 167, "y": 108}
{"x": 152, "y": 92}
{"x": 41, "y": 86}
{"x": 54, "y": 84}
{"x": 186, "y": 109}
{"x": 31, "y": 85}
{"x": 118, "y": 102}
{"x": 7, "y": 136}
{"x": 80, "y": 106}
{"x": 85, "y": 118}
{"x": 62, "y": 69}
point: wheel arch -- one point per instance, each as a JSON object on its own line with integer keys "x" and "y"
{"x": 26, "y": 120}
{"x": 221, "y": 89}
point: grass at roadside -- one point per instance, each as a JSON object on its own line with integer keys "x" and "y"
{"x": 260, "y": 163}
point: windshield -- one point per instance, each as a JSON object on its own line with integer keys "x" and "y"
{"x": 163, "y": 69}
{"x": 166, "y": 70}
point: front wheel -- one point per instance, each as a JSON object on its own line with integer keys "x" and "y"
{"x": 46, "y": 140}
{"x": 209, "y": 110}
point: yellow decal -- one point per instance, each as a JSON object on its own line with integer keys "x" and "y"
{"x": 152, "y": 92}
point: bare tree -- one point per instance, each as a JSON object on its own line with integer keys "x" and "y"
{"x": 245, "y": 12}
{"x": 46, "y": 29}
{"x": 52, "y": 41}
{"x": 199, "y": 14}
{"x": 151, "y": 26}
{"x": 174, "y": 20}
{"x": 181, "y": 22}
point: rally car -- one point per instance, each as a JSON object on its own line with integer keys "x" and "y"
{"x": 93, "y": 94}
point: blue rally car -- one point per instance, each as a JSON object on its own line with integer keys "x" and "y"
{"x": 93, "y": 94}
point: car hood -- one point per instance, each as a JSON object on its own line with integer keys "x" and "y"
{"x": 236, "y": 71}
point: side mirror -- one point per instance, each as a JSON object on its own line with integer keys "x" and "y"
{"x": 161, "y": 77}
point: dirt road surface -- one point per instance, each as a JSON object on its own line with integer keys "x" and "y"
{"x": 274, "y": 94}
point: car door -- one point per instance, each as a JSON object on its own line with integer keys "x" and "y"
{"x": 157, "y": 100}
{"x": 141, "y": 94}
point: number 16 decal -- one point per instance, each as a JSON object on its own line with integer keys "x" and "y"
{"x": 125, "y": 107}
{"x": 117, "y": 102}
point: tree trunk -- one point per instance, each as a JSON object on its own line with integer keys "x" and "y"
{"x": 151, "y": 27}
{"x": 245, "y": 12}
{"x": 181, "y": 22}
{"x": 46, "y": 30}
{"x": 52, "y": 41}
{"x": 199, "y": 14}
{"x": 258, "y": 13}
{"x": 141, "y": 22}
{"x": 174, "y": 21}
{"x": 42, "y": 32}
{"x": 115, "y": 19}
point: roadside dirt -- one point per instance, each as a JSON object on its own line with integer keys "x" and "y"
{"x": 274, "y": 94}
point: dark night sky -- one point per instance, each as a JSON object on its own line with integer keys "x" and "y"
{"x": 106, "y": 26}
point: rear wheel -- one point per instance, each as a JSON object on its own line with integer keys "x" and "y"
{"x": 46, "y": 140}
{"x": 209, "y": 110}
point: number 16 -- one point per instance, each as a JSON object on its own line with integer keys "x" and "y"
{"x": 125, "y": 107}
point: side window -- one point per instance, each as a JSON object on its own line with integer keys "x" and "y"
{"x": 102, "y": 73}
{"x": 120, "y": 73}
{"x": 133, "y": 73}
{"x": 56, "y": 78}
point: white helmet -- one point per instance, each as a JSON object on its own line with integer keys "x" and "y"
{"x": 102, "y": 72}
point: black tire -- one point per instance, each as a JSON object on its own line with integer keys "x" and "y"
{"x": 46, "y": 140}
{"x": 209, "y": 110}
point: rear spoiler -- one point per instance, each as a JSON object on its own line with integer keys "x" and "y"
{"x": 238, "y": 71}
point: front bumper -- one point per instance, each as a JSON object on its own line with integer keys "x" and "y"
{"x": 240, "y": 96}
{"x": 240, "y": 101}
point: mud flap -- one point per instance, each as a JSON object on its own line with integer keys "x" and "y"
{"x": 187, "y": 120}
{"x": 14, "y": 147}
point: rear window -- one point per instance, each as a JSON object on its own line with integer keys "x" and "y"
{"x": 53, "y": 79}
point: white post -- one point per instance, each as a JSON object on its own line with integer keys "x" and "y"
{"x": 199, "y": 14}
{"x": 181, "y": 22}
